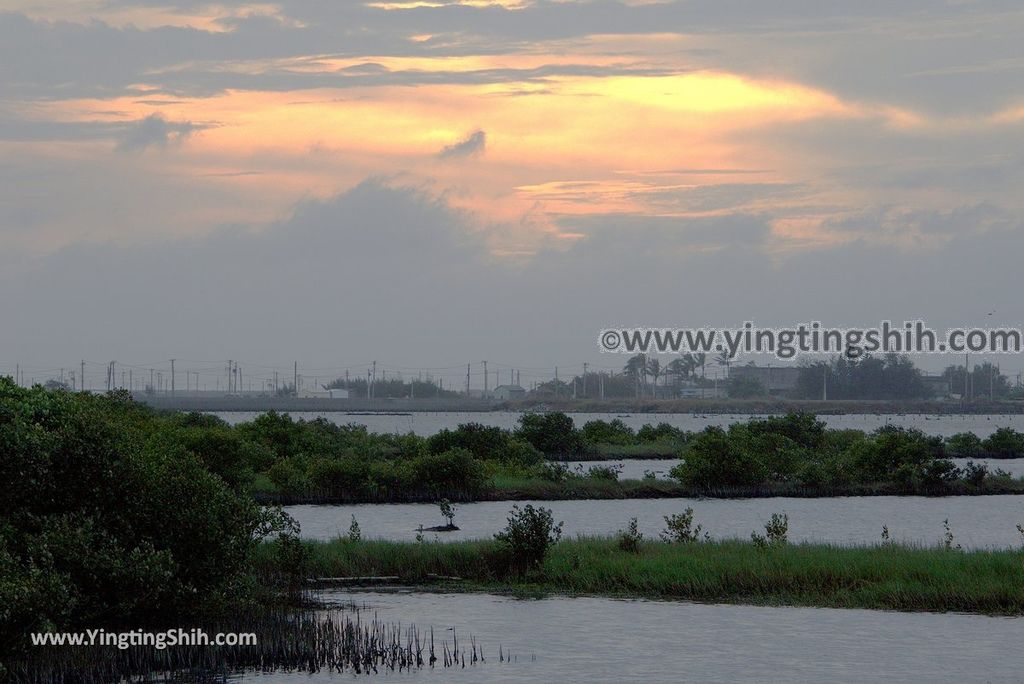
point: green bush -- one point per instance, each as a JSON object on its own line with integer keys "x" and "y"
{"x": 102, "y": 524}
{"x": 602, "y": 472}
{"x": 482, "y": 441}
{"x": 663, "y": 432}
{"x": 629, "y": 540}
{"x": 289, "y": 477}
{"x": 529, "y": 534}
{"x": 454, "y": 470}
{"x": 552, "y": 433}
{"x": 803, "y": 429}
{"x": 714, "y": 460}
{"x": 608, "y": 432}
{"x": 889, "y": 448}
{"x": 340, "y": 477}
{"x": 1004, "y": 443}
{"x": 964, "y": 445}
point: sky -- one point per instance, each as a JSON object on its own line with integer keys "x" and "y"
{"x": 432, "y": 183}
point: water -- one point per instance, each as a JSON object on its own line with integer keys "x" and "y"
{"x": 426, "y": 424}
{"x": 630, "y": 468}
{"x": 1014, "y": 466}
{"x": 604, "y": 640}
{"x": 636, "y": 468}
{"x": 976, "y": 521}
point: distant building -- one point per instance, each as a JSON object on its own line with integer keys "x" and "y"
{"x": 508, "y": 392}
{"x": 778, "y": 381}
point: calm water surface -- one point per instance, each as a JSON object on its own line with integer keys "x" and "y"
{"x": 635, "y": 469}
{"x": 976, "y": 521}
{"x": 429, "y": 423}
{"x": 605, "y": 640}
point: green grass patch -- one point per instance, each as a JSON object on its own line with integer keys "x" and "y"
{"x": 879, "y": 577}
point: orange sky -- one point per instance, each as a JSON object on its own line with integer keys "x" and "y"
{"x": 596, "y": 125}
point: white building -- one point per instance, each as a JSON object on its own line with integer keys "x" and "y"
{"x": 507, "y": 392}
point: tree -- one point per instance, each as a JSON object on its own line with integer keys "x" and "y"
{"x": 745, "y": 388}
{"x": 552, "y": 433}
{"x": 654, "y": 369}
{"x": 528, "y": 536}
{"x": 636, "y": 368}
{"x": 724, "y": 359}
{"x": 893, "y": 376}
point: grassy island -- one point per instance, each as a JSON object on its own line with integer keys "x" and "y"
{"x": 887, "y": 576}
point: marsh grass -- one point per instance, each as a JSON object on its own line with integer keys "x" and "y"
{"x": 888, "y": 576}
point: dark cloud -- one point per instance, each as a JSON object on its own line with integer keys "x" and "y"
{"x": 470, "y": 146}
{"x": 394, "y": 273}
{"x": 155, "y": 131}
{"x": 954, "y": 56}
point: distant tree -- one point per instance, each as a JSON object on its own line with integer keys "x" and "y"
{"x": 636, "y": 369}
{"x": 654, "y": 369}
{"x": 893, "y": 376}
{"x": 745, "y": 388}
{"x": 724, "y": 359}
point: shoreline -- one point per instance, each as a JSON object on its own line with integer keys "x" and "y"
{"x": 751, "y": 407}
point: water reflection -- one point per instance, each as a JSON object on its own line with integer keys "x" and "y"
{"x": 603, "y": 640}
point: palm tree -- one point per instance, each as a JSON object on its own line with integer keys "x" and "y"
{"x": 700, "y": 359}
{"x": 636, "y": 368}
{"x": 679, "y": 368}
{"x": 724, "y": 359}
{"x": 654, "y": 368}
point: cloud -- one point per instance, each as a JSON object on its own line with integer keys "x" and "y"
{"x": 471, "y": 146}
{"x": 392, "y": 272}
{"x": 155, "y": 131}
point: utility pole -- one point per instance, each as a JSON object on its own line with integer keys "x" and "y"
{"x": 373, "y": 387}
{"x": 82, "y": 382}
{"x": 601, "y": 377}
{"x": 584, "y": 378}
{"x": 295, "y": 379}
{"x": 824, "y": 382}
{"x": 172, "y": 377}
{"x": 131, "y": 381}
{"x": 467, "y": 379}
{"x": 967, "y": 374}
{"x": 17, "y": 374}
{"x": 485, "y": 379}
